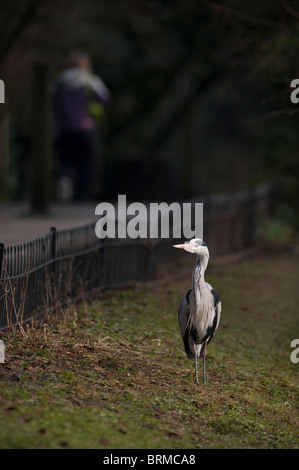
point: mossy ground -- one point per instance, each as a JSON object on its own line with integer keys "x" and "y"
{"x": 113, "y": 373}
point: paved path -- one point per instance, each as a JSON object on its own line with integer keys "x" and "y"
{"x": 18, "y": 224}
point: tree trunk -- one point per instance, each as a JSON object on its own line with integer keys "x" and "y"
{"x": 41, "y": 144}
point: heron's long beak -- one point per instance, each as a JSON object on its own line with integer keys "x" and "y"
{"x": 184, "y": 246}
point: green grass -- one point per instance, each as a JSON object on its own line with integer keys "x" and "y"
{"x": 113, "y": 373}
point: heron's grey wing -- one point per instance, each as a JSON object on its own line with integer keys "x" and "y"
{"x": 217, "y": 303}
{"x": 217, "y": 311}
{"x": 183, "y": 318}
{"x": 184, "y": 312}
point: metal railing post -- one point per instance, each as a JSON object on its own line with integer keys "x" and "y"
{"x": 53, "y": 246}
{"x": 53, "y": 258}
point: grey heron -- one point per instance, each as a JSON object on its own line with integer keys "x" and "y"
{"x": 200, "y": 308}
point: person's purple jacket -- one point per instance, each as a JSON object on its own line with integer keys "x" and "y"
{"x": 72, "y": 91}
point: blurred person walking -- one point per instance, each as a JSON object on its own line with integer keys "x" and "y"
{"x": 80, "y": 98}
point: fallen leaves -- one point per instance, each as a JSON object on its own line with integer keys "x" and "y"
{"x": 35, "y": 370}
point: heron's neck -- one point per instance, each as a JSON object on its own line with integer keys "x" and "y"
{"x": 198, "y": 278}
{"x": 202, "y": 299}
{"x": 199, "y": 270}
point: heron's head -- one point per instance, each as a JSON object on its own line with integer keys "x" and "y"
{"x": 196, "y": 246}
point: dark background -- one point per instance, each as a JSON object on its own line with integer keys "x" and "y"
{"x": 200, "y": 93}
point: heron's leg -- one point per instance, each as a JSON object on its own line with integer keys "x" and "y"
{"x": 195, "y": 362}
{"x": 204, "y": 362}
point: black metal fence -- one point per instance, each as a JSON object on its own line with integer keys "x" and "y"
{"x": 49, "y": 272}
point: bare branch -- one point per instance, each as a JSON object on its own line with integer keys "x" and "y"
{"x": 289, "y": 9}
{"x": 221, "y": 9}
{"x": 27, "y": 16}
{"x": 279, "y": 112}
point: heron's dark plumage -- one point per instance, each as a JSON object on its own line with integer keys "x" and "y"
{"x": 188, "y": 295}
{"x": 216, "y": 297}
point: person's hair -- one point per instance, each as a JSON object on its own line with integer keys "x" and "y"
{"x": 78, "y": 59}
